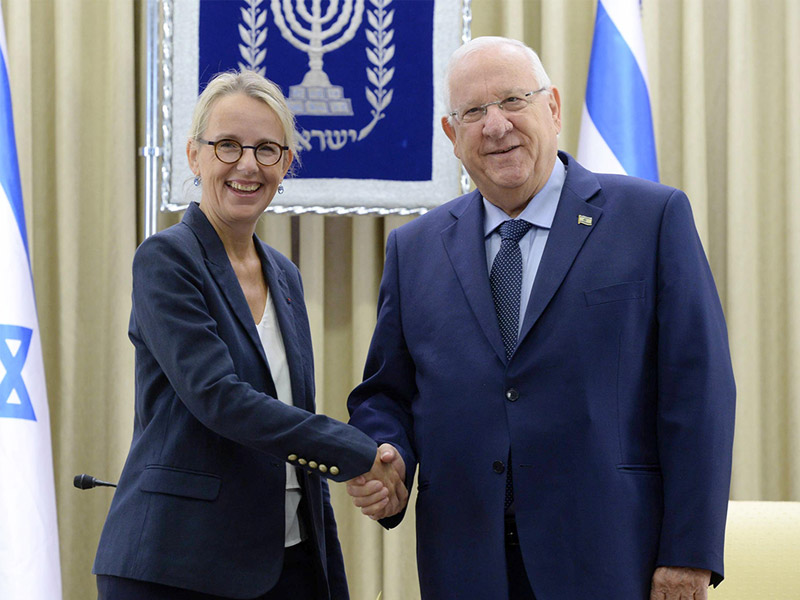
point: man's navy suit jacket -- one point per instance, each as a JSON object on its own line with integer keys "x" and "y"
{"x": 200, "y": 502}
{"x": 617, "y": 406}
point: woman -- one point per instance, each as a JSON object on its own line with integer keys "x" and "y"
{"x": 223, "y": 493}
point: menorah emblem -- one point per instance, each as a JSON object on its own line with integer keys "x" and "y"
{"x": 315, "y": 95}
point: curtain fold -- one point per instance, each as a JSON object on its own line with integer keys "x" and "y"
{"x": 790, "y": 157}
{"x": 725, "y": 90}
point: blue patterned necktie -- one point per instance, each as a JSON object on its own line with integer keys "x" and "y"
{"x": 505, "y": 279}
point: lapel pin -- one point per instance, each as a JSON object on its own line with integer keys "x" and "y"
{"x": 584, "y": 220}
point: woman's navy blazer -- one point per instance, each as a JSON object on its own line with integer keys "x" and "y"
{"x": 200, "y": 502}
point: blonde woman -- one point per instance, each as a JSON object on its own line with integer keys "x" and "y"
{"x": 224, "y": 492}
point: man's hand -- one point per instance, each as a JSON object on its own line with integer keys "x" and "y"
{"x": 680, "y": 583}
{"x": 381, "y": 492}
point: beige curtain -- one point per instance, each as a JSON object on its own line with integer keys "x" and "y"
{"x": 725, "y": 88}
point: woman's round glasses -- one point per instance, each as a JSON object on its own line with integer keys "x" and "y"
{"x": 230, "y": 151}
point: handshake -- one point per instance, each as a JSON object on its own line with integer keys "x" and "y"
{"x": 381, "y": 492}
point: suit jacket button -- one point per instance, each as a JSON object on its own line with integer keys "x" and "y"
{"x": 292, "y": 457}
{"x": 512, "y": 395}
{"x": 312, "y": 464}
{"x": 498, "y": 466}
{"x": 334, "y": 470}
{"x": 302, "y": 461}
{"x": 323, "y": 468}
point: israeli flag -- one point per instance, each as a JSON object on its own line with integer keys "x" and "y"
{"x": 617, "y": 126}
{"x": 29, "y": 562}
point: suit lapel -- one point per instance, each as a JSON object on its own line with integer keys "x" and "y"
{"x": 221, "y": 270}
{"x": 284, "y": 310}
{"x": 464, "y": 242}
{"x": 566, "y": 238}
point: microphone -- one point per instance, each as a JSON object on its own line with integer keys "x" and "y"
{"x": 87, "y": 482}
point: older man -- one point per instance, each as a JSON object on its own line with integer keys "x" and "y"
{"x": 551, "y": 353}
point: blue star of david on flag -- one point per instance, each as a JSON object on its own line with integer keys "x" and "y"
{"x": 15, "y": 403}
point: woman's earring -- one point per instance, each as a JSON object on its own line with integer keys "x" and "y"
{"x": 197, "y": 181}
{"x": 280, "y": 188}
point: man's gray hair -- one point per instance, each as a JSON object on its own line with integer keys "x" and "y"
{"x": 481, "y": 43}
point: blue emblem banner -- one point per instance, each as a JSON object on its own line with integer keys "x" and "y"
{"x": 347, "y": 89}
{"x": 363, "y": 78}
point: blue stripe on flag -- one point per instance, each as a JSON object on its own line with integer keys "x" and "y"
{"x": 618, "y": 102}
{"x": 9, "y": 165}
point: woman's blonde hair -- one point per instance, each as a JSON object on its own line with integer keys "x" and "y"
{"x": 253, "y": 85}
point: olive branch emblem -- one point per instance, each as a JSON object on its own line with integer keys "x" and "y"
{"x": 381, "y": 52}
{"x": 253, "y": 36}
